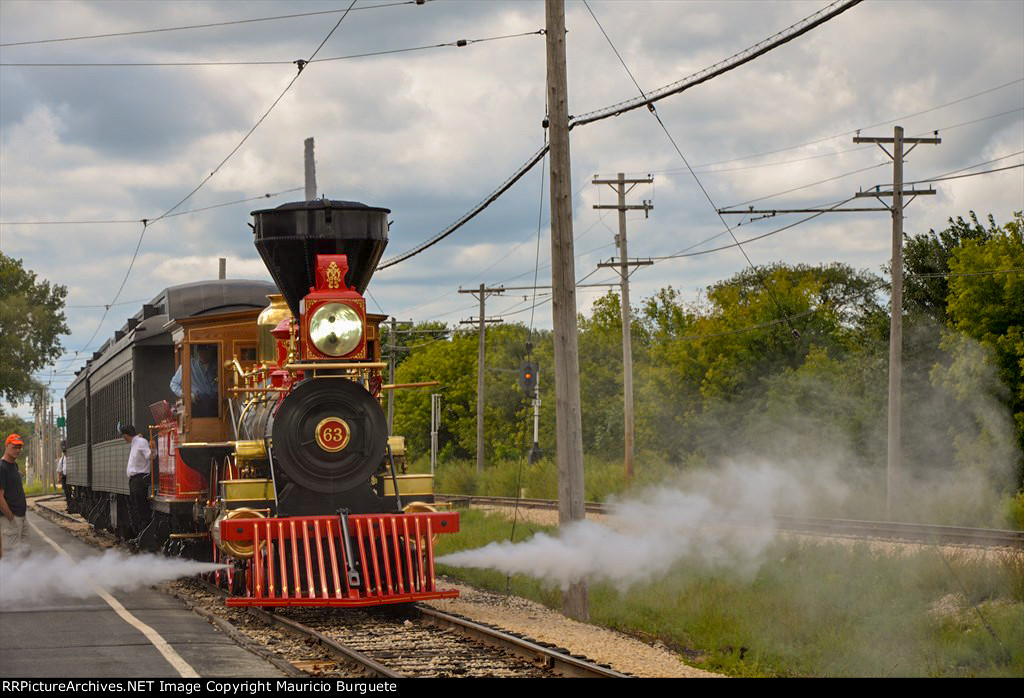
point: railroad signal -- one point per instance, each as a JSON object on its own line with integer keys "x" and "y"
{"x": 528, "y": 377}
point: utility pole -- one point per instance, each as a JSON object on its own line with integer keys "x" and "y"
{"x": 898, "y": 140}
{"x": 568, "y": 421}
{"x": 37, "y": 439}
{"x": 619, "y": 185}
{"x": 435, "y": 427}
{"x": 309, "y": 165}
{"x": 482, "y": 295}
{"x": 50, "y": 481}
{"x": 392, "y": 352}
{"x": 893, "y": 470}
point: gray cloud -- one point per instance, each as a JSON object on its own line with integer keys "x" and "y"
{"x": 428, "y": 134}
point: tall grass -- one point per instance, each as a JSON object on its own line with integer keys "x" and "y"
{"x": 812, "y": 609}
{"x": 602, "y": 478}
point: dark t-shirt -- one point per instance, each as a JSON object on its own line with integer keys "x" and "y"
{"x": 14, "y": 491}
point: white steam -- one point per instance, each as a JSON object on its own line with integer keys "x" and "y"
{"x": 46, "y": 578}
{"x": 645, "y": 536}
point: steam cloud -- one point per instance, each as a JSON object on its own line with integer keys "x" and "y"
{"x": 647, "y": 535}
{"x": 44, "y": 578}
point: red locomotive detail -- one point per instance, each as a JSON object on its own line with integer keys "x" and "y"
{"x": 275, "y": 459}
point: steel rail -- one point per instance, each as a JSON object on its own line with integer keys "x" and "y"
{"x": 334, "y": 647}
{"x": 921, "y": 533}
{"x": 559, "y": 662}
{"x": 552, "y": 659}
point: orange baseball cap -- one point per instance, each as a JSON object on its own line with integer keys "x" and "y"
{"x": 14, "y": 439}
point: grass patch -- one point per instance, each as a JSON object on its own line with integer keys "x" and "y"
{"x": 808, "y": 610}
{"x": 35, "y": 488}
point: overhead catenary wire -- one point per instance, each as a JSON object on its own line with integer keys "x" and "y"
{"x": 458, "y": 43}
{"x": 651, "y": 108}
{"x": 500, "y": 259}
{"x": 146, "y": 223}
{"x": 830, "y": 206}
{"x": 851, "y": 132}
{"x": 687, "y": 253}
{"x": 683, "y": 171}
{"x": 811, "y": 184}
{"x": 845, "y": 174}
{"x": 201, "y": 26}
{"x": 138, "y": 220}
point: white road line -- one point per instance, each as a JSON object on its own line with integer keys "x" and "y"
{"x": 174, "y": 659}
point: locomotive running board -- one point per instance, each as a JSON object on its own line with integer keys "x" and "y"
{"x": 301, "y": 560}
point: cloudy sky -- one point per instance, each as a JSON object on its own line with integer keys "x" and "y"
{"x": 429, "y": 133}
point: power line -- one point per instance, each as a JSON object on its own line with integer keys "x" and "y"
{"x": 651, "y": 108}
{"x": 853, "y": 131}
{"x": 972, "y": 174}
{"x": 138, "y": 220}
{"x": 937, "y": 178}
{"x": 682, "y": 254}
{"x": 146, "y": 223}
{"x": 501, "y": 259}
{"x": 683, "y": 170}
{"x": 812, "y": 184}
{"x": 736, "y": 60}
{"x": 778, "y": 39}
{"x": 107, "y": 305}
{"x": 686, "y": 253}
{"x": 201, "y": 26}
{"x": 459, "y": 43}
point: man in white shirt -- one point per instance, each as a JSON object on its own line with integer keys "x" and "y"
{"x": 62, "y": 473}
{"x": 138, "y": 478}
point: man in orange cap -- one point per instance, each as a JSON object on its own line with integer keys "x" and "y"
{"x": 13, "y": 504}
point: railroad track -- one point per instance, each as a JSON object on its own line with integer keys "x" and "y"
{"x": 918, "y": 533}
{"x": 419, "y": 641}
{"x": 409, "y": 640}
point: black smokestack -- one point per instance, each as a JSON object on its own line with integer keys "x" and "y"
{"x": 290, "y": 236}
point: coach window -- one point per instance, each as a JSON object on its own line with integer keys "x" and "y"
{"x": 204, "y": 386}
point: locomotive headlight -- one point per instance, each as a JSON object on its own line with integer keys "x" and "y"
{"x": 335, "y": 329}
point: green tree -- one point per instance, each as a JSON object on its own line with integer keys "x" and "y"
{"x": 32, "y": 318}
{"x": 707, "y": 362}
{"x": 986, "y": 302}
{"x": 453, "y": 362}
{"x": 926, "y": 261}
{"x": 407, "y": 340}
{"x": 749, "y": 332}
{"x": 12, "y": 423}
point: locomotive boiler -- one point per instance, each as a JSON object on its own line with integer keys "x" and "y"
{"x": 275, "y": 459}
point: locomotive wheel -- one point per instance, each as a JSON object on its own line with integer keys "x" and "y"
{"x": 330, "y": 435}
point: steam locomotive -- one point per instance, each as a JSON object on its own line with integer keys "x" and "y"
{"x": 275, "y": 459}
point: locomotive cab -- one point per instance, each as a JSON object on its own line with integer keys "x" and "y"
{"x": 205, "y": 349}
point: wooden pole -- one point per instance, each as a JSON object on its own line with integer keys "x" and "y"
{"x": 893, "y": 493}
{"x": 480, "y": 386}
{"x": 569, "y": 426}
{"x": 619, "y": 185}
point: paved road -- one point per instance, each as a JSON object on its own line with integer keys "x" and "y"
{"x": 136, "y": 634}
